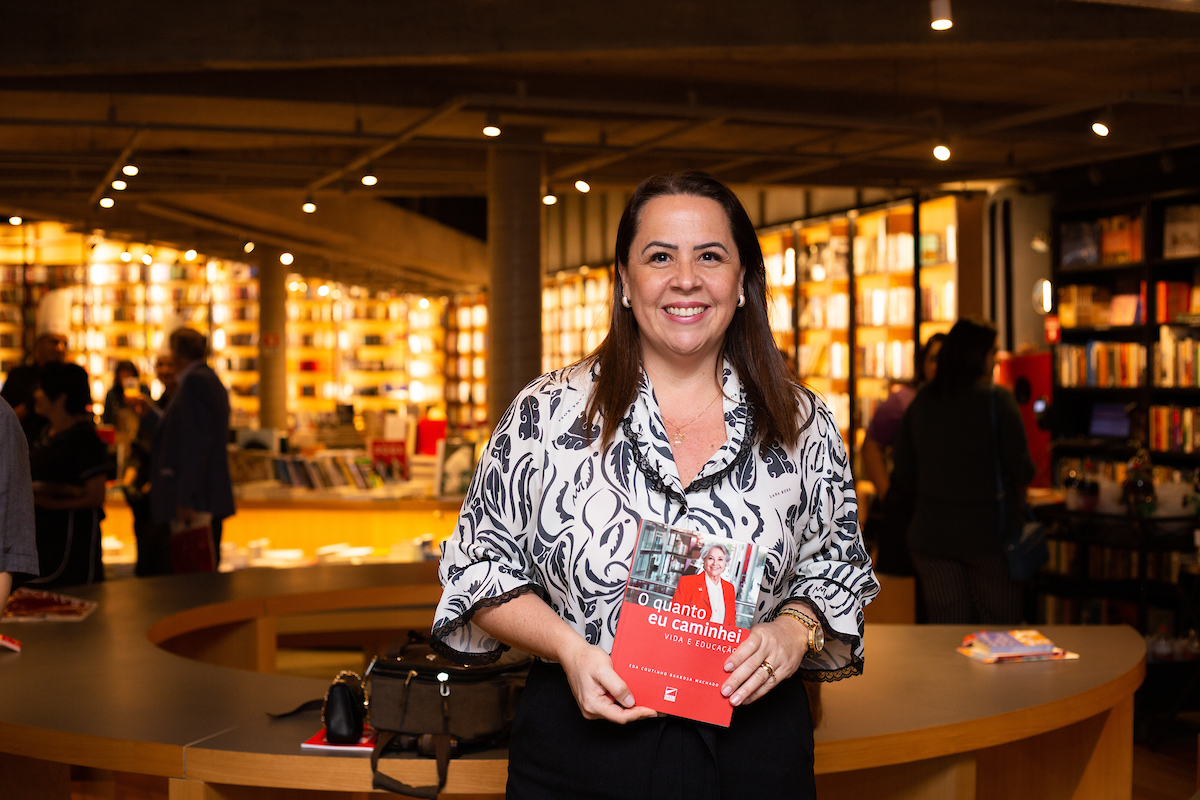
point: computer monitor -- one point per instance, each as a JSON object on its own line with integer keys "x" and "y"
{"x": 1109, "y": 421}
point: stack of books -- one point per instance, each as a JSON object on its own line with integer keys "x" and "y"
{"x": 997, "y": 647}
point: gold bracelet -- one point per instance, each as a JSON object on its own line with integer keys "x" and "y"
{"x": 803, "y": 619}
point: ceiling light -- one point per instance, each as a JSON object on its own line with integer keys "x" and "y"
{"x": 940, "y": 19}
{"x": 583, "y": 186}
{"x": 130, "y": 170}
{"x": 1102, "y": 125}
{"x": 286, "y": 259}
{"x": 323, "y": 290}
{"x": 369, "y": 180}
{"x": 309, "y": 206}
{"x": 127, "y": 256}
{"x": 1099, "y": 128}
{"x": 190, "y": 255}
{"x": 423, "y": 302}
{"x": 293, "y": 286}
{"x": 941, "y": 152}
{"x": 107, "y": 202}
{"x": 248, "y": 247}
{"x": 14, "y": 220}
{"x": 120, "y": 185}
{"x": 492, "y": 126}
{"x": 147, "y": 259}
{"x": 549, "y": 200}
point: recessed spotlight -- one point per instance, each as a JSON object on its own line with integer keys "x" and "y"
{"x": 492, "y": 126}
{"x": 107, "y": 202}
{"x": 323, "y": 290}
{"x": 286, "y": 259}
{"x": 127, "y": 256}
{"x": 940, "y": 19}
{"x": 15, "y": 220}
{"x": 248, "y": 247}
{"x": 491, "y": 130}
{"x": 369, "y": 180}
{"x": 583, "y": 186}
{"x": 549, "y": 200}
{"x": 309, "y": 207}
{"x": 130, "y": 170}
{"x": 190, "y": 255}
{"x": 941, "y": 152}
{"x": 147, "y": 259}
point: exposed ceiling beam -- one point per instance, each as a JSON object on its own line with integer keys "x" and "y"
{"x": 596, "y": 162}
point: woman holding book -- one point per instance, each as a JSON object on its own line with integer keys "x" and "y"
{"x": 684, "y": 415}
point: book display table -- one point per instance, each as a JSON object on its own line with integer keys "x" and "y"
{"x": 102, "y": 700}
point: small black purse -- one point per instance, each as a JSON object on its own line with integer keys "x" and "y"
{"x": 344, "y": 710}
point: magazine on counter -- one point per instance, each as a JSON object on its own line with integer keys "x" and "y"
{"x": 1000, "y": 647}
{"x": 38, "y": 605}
{"x": 689, "y": 602}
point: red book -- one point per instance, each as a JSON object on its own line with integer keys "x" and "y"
{"x": 363, "y": 747}
{"x": 689, "y": 602}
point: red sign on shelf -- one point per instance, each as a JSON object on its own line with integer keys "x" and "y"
{"x": 1052, "y": 328}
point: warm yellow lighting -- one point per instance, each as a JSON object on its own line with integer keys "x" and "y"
{"x": 424, "y": 302}
{"x": 491, "y": 130}
{"x": 323, "y": 290}
{"x": 583, "y": 186}
{"x": 309, "y": 207}
{"x": 1099, "y": 128}
{"x": 127, "y": 256}
{"x": 941, "y": 152}
{"x": 940, "y": 18}
{"x": 120, "y": 185}
{"x": 190, "y": 255}
{"x": 293, "y": 286}
{"x": 286, "y": 259}
{"x": 146, "y": 259}
{"x": 130, "y": 170}
{"x": 106, "y": 202}
{"x": 369, "y": 180}
{"x": 248, "y": 247}
{"x": 218, "y": 339}
{"x": 303, "y": 286}
{"x": 14, "y": 220}
{"x": 549, "y": 200}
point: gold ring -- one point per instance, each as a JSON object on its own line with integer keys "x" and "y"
{"x": 770, "y": 670}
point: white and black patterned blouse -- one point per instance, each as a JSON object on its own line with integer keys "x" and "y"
{"x": 547, "y": 511}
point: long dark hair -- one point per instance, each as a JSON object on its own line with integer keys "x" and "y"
{"x": 748, "y": 344}
{"x": 963, "y": 358}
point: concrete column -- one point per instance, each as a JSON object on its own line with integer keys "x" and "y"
{"x": 515, "y": 267}
{"x": 272, "y": 340}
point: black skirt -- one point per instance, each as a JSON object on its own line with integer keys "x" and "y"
{"x": 554, "y": 752}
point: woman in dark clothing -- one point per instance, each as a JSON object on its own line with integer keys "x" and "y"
{"x": 69, "y": 464}
{"x": 958, "y": 431}
{"x": 114, "y": 401}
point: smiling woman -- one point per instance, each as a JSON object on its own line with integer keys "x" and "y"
{"x": 684, "y": 414}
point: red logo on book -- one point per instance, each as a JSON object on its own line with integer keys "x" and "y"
{"x": 669, "y": 696}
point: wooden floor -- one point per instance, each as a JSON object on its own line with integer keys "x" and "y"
{"x": 1168, "y": 770}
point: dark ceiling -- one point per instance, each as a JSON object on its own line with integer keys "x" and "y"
{"x": 298, "y": 98}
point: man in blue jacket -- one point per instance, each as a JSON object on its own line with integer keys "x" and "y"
{"x": 189, "y": 472}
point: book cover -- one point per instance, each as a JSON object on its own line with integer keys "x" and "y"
{"x": 363, "y": 747}
{"x": 1057, "y": 654}
{"x": 1007, "y": 643}
{"x": 36, "y": 605}
{"x": 675, "y": 630}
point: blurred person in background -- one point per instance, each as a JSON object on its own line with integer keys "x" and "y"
{"x": 153, "y": 539}
{"x": 22, "y": 381}
{"x": 69, "y": 465}
{"x": 189, "y": 471}
{"x": 126, "y": 387}
{"x": 18, "y": 543}
{"x": 888, "y": 525}
{"x": 959, "y": 434}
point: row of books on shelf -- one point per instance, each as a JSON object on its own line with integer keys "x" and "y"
{"x": 1107, "y": 241}
{"x": 1173, "y": 429}
{"x": 1084, "y": 306}
{"x": 1176, "y": 359}
{"x": 825, "y": 360}
{"x": 1101, "y": 364}
{"x": 828, "y": 260}
{"x": 878, "y": 307}
{"x": 1100, "y": 562}
{"x": 939, "y": 302}
{"x": 825, "y": 311}
{"x": 890, "y": 253}
{"x": 892, "y": 359}
{"x": 839, "y": 405}
{"x": 332, "y": 469}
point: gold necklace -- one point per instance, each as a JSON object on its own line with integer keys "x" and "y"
{"x": 678, "y": 438}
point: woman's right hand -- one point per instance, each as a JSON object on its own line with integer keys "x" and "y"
{"x": 598, "y": 689}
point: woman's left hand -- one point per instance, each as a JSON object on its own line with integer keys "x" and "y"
{"x": 782, "y": 643}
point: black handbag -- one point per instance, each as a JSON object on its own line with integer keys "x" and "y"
{"x": 344, "y": 710}
{"x": 421, "y": 700}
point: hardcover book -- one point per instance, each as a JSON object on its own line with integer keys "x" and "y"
{"x": 689, "y": 602}
{"x": 1009, "y": 643}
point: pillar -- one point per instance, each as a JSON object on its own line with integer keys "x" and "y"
{"x": 272, "y": 341}
{"x": 515, "y": 267}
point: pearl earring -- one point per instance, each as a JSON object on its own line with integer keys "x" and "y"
{"x": 741, "y": 300}
{"x": 625, "y": 302}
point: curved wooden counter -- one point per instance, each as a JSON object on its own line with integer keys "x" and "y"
{"x": 922, "y": 721}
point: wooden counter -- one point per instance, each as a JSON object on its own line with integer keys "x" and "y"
{"x": 922, "y": 721}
